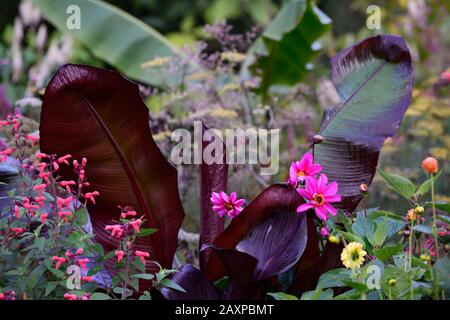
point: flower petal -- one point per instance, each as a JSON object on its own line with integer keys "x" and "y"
{"x": 331, "y": 189}
{"x": 304, "y": 193}
{"x": 330, "y": 208}
{"x": 304, "y": 207}
{"x": 321, "y": 213}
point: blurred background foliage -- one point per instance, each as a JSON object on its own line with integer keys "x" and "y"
{"x": 424, "y": 24}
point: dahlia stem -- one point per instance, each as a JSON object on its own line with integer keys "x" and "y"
{"x": 410, "y": 242}
{"x": 434, "y": 229}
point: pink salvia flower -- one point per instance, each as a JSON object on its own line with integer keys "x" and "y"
{"x": 82, "y": 263}
{"x": 125, "y": 214}
{"x": 142, "y": 255}
{"x": 135, "y": 224}
{"x": 64, "y": 159}
{"x": 67, "y": 184}
{"x": 69, "y": 296}
{"x": 40, "y": 188}
{"x": 79, "y": 251}
{"x": 17, "y": 231}
{"x": 319, "y": 196}
{"x": 90, "y": 196}
{"x": 44, "y": 217}
{"x": 40, "y": 200}
{"x": 17, "y": 212}
{"x": 5, "y": 153}
{"x": 59, "y": 261}
{"x": 116, "y": 230}
{"x": 119, "y": 254}
{"x": 304, "y": 168}
{"x": 226, "y": 205}
{"x": 41, "y": 155}
{"x": 87, "y": 278}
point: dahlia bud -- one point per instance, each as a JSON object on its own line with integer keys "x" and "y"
{"x": 430, "y": 165}
{"x": 334, "y": 239}
{"x": 324, "y": 232}
{"x": 317, "y": 139}
{"x": 419, "y": 210}
{"x": 425, "y": 257}
{"x": 363, "y": 188}
{"x": 392, "y": 282}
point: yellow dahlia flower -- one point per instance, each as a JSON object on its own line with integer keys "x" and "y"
{"x": 353, "y": 255}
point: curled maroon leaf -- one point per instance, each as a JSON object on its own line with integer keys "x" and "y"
{"x": 194, "y": 282}
{"x": 266, "y": 239}
{"x": 213, "y": 178}
{"x": 99, "y": 114}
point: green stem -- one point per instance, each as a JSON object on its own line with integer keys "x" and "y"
{"x": 436, "y": 246}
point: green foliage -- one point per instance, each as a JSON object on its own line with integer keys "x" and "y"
{"x": 127, "y": 43}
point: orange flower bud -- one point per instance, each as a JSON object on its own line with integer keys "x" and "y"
{"x": 430, "y": 165}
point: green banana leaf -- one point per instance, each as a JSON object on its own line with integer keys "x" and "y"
{"x": 285, "y": 51}
{"x": 111, "y": 35}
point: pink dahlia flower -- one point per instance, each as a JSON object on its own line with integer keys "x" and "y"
{"x": 225, "y": 204}
{"x": 304, "y": 168}
{"x": 319, "y": 195}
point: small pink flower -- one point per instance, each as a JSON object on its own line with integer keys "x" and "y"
{"x": 4, "y": 123}
{"x": 64, "y": 159}
{"x": 75, "y": 164}
{"x": 83, "y": 162}
{"x": 28, "y": 206}
{"x": 142, "y": 255}
{"x": 17, "y": 231}
{"x": 2, "y": 296}
{"x": 135, "y": 224}
{"x": 116, "y": 230}
{"x": 59, "y": 261}
{"x": 87, "y": 278}
{"x": 304, "y": 168}
{"x": 41, "y": 155}
{"x": 119, "y": 254}
{"x": 319, "y": 196}
{"x": 17, "y": 212}
{"x": 40, "y": 188}
{"x": 324, "y": 232}
{"x": 90, "y": 196}
{"x": 125, "y": 214}
{"x": 44, "y": 217}
{"x": 69, "y": 296}
{"x": 226, "y": 205}
{"x": 67, "y": 184}
{"x": 5, "y": 153}
{"x": 64, "y": 203}
{"x": 82, "y": 263}
{"x": 79, "y": 251}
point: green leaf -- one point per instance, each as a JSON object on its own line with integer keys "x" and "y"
{"x": 287, "y": 47}
{"x": 386, "y": 214}
{"x": 381, "y": 234}
{"x": 352, "y": 237}
{"x": 166, "y": 282}
{"x": 81, "y": 217}
{"x": 281, "y": 296}
{"x": 50, "y": 287}
{"x": 146, "y": 232}
{"x": 387, "y": 252}
{"x": 112, "y": 35}
{"x": 401, "y": 290}
{"x": 144, "y": 276}
{"x": 100, "y": 296}
{"x": 441, "y": 270}
{"x": 426, "y": 186}
{"x": 318, "y": 294}
{"x": 334, "y": 278}
{"x": 401, "y": 185}
{"x": 423, "y": 229}
{"x": 441, "y": 205}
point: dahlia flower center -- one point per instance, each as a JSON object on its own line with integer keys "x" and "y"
{"x": 300, "y": 174}
{"x": 319, "y": 199}
{"x": 355, "y": 255}
{"x": 229, "y": 206}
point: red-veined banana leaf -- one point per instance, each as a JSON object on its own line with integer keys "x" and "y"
{"x": 266, "y": 239}
{"x": 213, "y": 178}
{"x": 374, "y": 79}
{"x": 99, "y": 114}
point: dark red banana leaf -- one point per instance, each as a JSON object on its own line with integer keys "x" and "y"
{"x": 266, "y": 239}
{"x": 99, "y": 114}
{"x": 196, "y": 285}
{"x": 213, "y": 178}
{"x": 374, "y": 79}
